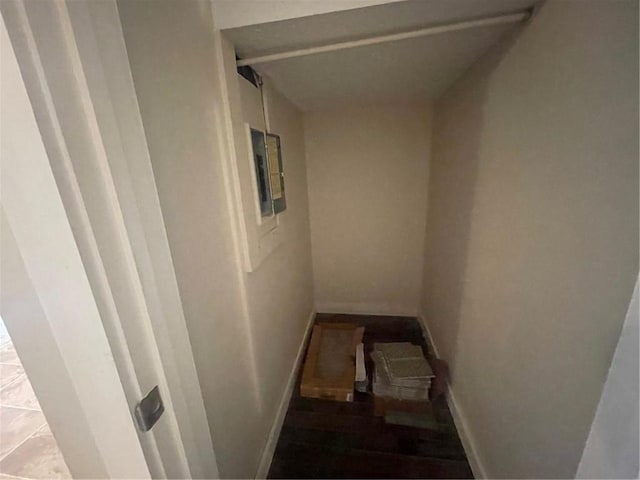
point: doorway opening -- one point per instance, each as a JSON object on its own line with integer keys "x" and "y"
{"x": 28, "y": 449}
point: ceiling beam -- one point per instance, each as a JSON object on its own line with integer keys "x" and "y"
{"x": 394, "y": 37}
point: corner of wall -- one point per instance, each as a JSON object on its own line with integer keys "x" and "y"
{"x": 272, "y": 440}
{"x": 459, "y": 417}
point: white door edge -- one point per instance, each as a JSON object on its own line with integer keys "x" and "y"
{"x": 113, "y": 209}
{"x": 44, "y": 278}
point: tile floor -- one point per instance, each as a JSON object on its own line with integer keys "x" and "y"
{"x": 27, "y": 447}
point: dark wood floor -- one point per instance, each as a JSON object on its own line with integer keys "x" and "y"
{"x": 330, "y": 439}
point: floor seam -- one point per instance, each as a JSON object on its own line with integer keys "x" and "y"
{"x": 21, "y": 443}
{"x": 13, "y": 381}
{"x": 21, "y": 407}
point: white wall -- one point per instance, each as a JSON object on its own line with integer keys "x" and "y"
{"x": 245, "y": 328}
{"x": 612, "y": 446}
{"x": 280, "y": 290}
{"x": 531, "y": 251}
{"x": 170, "y": 49}
{"x": 238, "y": 13}
{"x": 368, "y": 173}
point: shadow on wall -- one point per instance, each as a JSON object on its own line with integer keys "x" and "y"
{"x": 453, "y": 187}
{"x": 531, "y": 242}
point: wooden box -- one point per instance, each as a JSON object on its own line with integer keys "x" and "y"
{"x": 329, "y": 368}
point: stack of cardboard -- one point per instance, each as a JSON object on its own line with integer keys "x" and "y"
{"x": 401, "y": 371}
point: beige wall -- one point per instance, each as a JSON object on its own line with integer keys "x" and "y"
{"x": 368, "y": 172}
{"x": 280, "y": 290}
{"x": 531, "y": 251}
{"x": 245, "y": 328}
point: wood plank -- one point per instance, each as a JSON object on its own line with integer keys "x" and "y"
{"x": 303, "y": 404}
{"x": 385, "y": 442}
{"x": 314, "y": 461}
{"x": 362, "y": 424}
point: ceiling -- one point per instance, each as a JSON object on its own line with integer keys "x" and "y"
{"x": 407, "y": 71}
{"x": 237, "y": 13}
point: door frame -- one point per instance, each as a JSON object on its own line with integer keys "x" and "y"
{"x": 61, "y": 343}
{"x": 73, "y": 61}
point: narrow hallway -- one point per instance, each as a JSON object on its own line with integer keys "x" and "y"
{"x": 297, "y": 239}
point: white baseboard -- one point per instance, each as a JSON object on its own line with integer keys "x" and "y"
{"x": 427, "y": 334}
{"x": 458, "y": 415}
{"x": 274, "y": 434}
{"x": 365, "y": 309}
